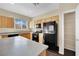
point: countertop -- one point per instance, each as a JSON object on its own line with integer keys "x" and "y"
{"x": 20, "y": 46}
{"x": 8, "y": 31}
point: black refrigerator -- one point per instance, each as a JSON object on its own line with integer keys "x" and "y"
{"x": 50, "y": 34}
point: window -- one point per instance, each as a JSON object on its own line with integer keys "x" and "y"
{"x": 21, "y": 24}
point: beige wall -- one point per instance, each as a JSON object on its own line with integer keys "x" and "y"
{"x": 65, "y": 6}
{"x": 11, "y": 14}
{"x": 69, "y": 31}
{"x": 68, "y": 6}
{"x": 46, "y": 15}
{"x": 14, "y": 15}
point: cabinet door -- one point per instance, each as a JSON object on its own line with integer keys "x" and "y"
{"x": 27, "y": 35}
{"x": 9, "y": 22}
{"x": 0, "y": 21}
{"x": 6, "y": 22}
{"x": 31, "y": 24}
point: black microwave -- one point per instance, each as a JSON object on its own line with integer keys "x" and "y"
{"x": 38, "y": 25}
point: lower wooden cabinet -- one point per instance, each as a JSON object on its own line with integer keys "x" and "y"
{"x": 44, "y": 53}
{"x": 41, "y": 40}
{"x": 26, "y": 35}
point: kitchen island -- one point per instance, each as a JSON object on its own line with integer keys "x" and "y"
{"x": 20, "y": 46}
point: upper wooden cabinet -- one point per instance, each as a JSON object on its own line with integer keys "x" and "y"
{"x": 10, "y": 22}
{"x": 43, "y": 20}
{"x": 6, "y": 22}
{"x": 0, "y": 22}
{"x": 31, "y": 24}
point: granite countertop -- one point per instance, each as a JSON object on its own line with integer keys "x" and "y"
{"x": 20, "y": 46}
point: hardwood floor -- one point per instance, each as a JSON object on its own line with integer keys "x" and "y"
{"x": 69, "y": 53}
{"x": 55, "y": 53}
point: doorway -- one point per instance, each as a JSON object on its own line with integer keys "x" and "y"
{"x": 69, "y": 34}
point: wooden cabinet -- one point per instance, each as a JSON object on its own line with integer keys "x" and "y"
{"x": 43, "y": 20}
{"x": 0, "y": 22}
{"x": 6, "y": 22}
{"x": 31, "y": 24}
{"x": 27, "y": 35}
{"x": 41, "y": 40}
{"x": 10, "y": 22}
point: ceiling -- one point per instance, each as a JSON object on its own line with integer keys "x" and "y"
{"x": 29, "y": 9}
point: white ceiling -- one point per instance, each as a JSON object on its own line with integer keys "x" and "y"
{"x": 28, "y": 9}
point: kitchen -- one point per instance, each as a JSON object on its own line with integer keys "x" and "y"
{"x": 12, "y": 32}
{"x": 8, "y": 31}
{"x": 44, "y": 31}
